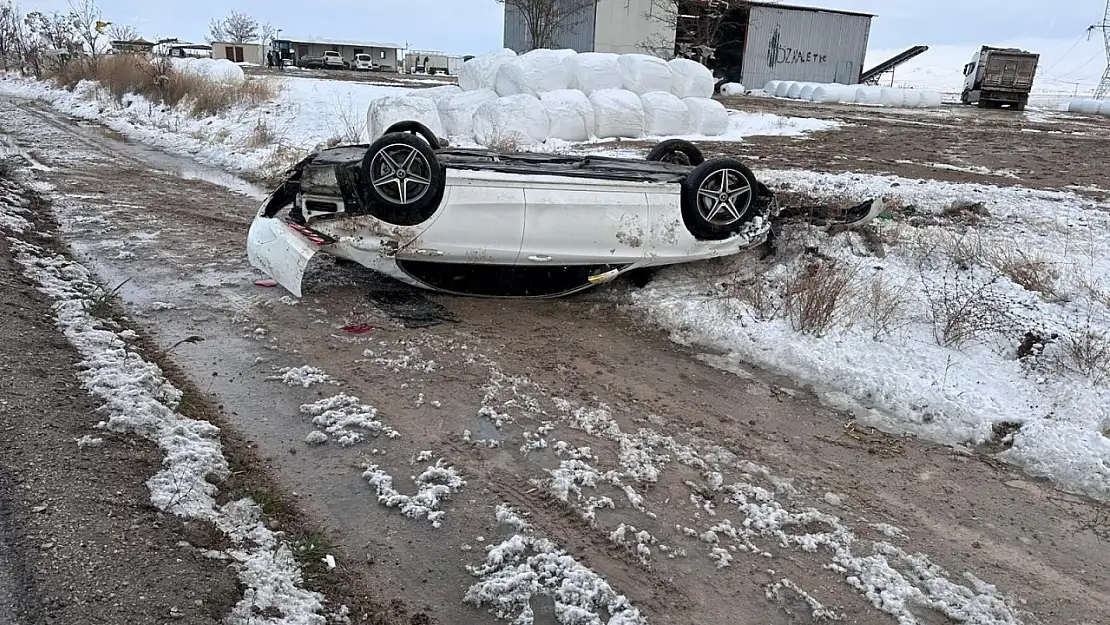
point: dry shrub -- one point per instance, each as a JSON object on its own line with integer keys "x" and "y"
{"x": 157, "y": 80}
{"x": 817, "y": 294}
{"x": 966, "y": 309}
{"x": 759, "y": 294}
{"x": 1030, "y": 270}
{"x": 885, "y": 306}
{"x": 261, "y": 135}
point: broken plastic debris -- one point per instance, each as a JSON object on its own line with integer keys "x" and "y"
{"x": 358, "y": 328}
{"x": 266, "y": 283}
{"x": 329, "y": 560}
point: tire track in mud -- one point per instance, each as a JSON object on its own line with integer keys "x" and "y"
{"x": 585, "y": 348}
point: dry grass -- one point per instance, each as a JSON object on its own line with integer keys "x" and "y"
{"x": 967, "y": 309}
{"x": 157, "y": 80}
{"x": 761, "y": 296}
{"x": 1085, "y": 349}
{"x": 817, "y": 295}
{"x": 1030, "y": 270}
{"x": 885, "y": 306}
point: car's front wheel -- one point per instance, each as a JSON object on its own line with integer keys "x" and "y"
{"x": 719, "y": 198}
{"x": 404, "y": 179}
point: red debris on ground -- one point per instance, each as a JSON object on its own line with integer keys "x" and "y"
{"x": 358, "y": 328}
{"x": 266, "y": 283}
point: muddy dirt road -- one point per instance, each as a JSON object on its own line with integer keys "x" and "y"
{"x": 701, "y": 491}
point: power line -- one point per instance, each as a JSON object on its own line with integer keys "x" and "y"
{"x": 1103, "y": 85}
{"x": 1059, "y": 60}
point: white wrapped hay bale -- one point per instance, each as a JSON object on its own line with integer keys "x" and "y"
{"x": 1087, "y": 107}
{"x": 732, "y": 89}
{"x": 795, "y": 92}
{"x": 827, "y": 94}
{"x": 771, "y": 87}
{"x": 912, "y": 98}
{"x": 617, "y": 113}
{"x": 534, "y": 73}
{"x": 707, "y": 116}
{"x": 512, "y": 120}
{"x": 642, "y": 74}
{"x": 570, "y": 114}
{"x": 783, "y": 89}
{"x": 665, "y": 114}
{"x": 437, "y": 93}
{"x": 690, "y": 79}
{"x": 892, "y": 97}
{"x": 931, "y": 99}
{"x": 457, "y": 111}
{"x": 807, "y": 91}
{"x": 869, "y": 95}
{"x": 480, "y": 72}
{"x": 385, "y": 111}
{"x": 1074, "y": 105}
{"x": 593, "y": 71}
{"x": 220, "y": 70}
{"x": 1104, "y": 108}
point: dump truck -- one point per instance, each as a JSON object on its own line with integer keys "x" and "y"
{"x": 998, "y": 77}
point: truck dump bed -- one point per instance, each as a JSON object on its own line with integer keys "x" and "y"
{"x": 1010, "y": 70}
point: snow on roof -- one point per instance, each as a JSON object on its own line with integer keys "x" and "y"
{"x": 328, "y": 41}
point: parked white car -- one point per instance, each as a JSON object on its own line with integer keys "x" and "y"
{"x": 525, "y": 225}
{"x": 363, "y": 63}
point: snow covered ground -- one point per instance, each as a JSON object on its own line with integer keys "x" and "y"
{"x": 308, "y": 113}
{"x": 925, "y": 340}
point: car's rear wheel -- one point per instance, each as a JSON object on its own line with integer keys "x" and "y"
{"x": 404, "y": 179}
{"x": 415, "y": 128}
{"x": 677, "y": 151}
{"x": 719, "y": 198}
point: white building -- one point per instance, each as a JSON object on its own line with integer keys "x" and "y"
{"x": 620, "y": 26}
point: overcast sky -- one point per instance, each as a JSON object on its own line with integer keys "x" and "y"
{"x": 474, "y": 26}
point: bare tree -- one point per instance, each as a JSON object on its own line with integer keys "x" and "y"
{"x": 268, "y": 33}
{"x": 694, "y": 24}
{"x": 235, "y": 28}
{"x": 9, "y": 33}
{"x": 87, "y": 22}
{"x": 121, "y": 32}
{"x": 545, "y": 20}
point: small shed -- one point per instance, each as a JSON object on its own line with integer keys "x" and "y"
{"x": 239, "y": 52}
{"x": 132, "y": 46}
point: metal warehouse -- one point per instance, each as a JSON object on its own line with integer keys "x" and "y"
{"x": 755, "y": 41}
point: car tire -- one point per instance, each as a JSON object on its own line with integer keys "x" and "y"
{"x": 404, "y": 179}
{"x": 677, "y": 151}
{"x": 713, "y": 210}
{"x": 416, "y": 128}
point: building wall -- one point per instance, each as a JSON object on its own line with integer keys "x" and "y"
{"x": 625, "y": 26}
{"x": 793, "y": 44}
{"x": 252, "y": 52}
{"x": 579, "y": 37}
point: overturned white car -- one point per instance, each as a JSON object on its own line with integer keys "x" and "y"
{"x": 477, "y": 222}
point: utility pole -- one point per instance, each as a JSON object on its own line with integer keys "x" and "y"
{"x": 1104, "y": 84}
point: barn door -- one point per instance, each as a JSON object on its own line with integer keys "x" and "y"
{"x": 846, "y": 73}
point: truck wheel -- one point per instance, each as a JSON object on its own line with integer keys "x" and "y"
{"x": 719, "y": 197}
{"x": 677, "y": 151}
{"x": 405, "y": 180}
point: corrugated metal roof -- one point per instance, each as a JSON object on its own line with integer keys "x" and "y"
{"x": 327, "y": 41}
{"x": 799, "y": 7}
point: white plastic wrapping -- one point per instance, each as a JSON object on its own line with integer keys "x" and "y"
{"x": 807, "y": 91}
{"x": 480, "y": 72}
{"x": 912, "y": 98}
{"x": 534, "y": 73}
{"x": 783, "y": 89}
{"x": 516, "y": 120}
{"x": 796, "y": 89}
{"x": 665, "y": 114}
{"x": 1104, "y": 108}
{"x": 617, "y": 113}
{"x": 771, "y": 87}
{"x": 592, "y": 71}
{"x": 707, "y": 116}
{"x": 437, "y": 93}
{"x": 732, "y": 88}
{"x": 221, "y": 70}
{"x": 828, "y": 93}
{"x": 385, "y": 111}
{"x": 931, "y": 99}
{"x": 892, "y": 97}
{"x": 869, "y": 95}
{"x": 1087, "y": 107}
{"x": 457, "y": 111}
{"x": 569, "y": 113}
{"x": 642, "y": 74}
{"x": 690, "y": 79}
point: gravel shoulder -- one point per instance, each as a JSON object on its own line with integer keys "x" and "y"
{"x": 79, "y": 542}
